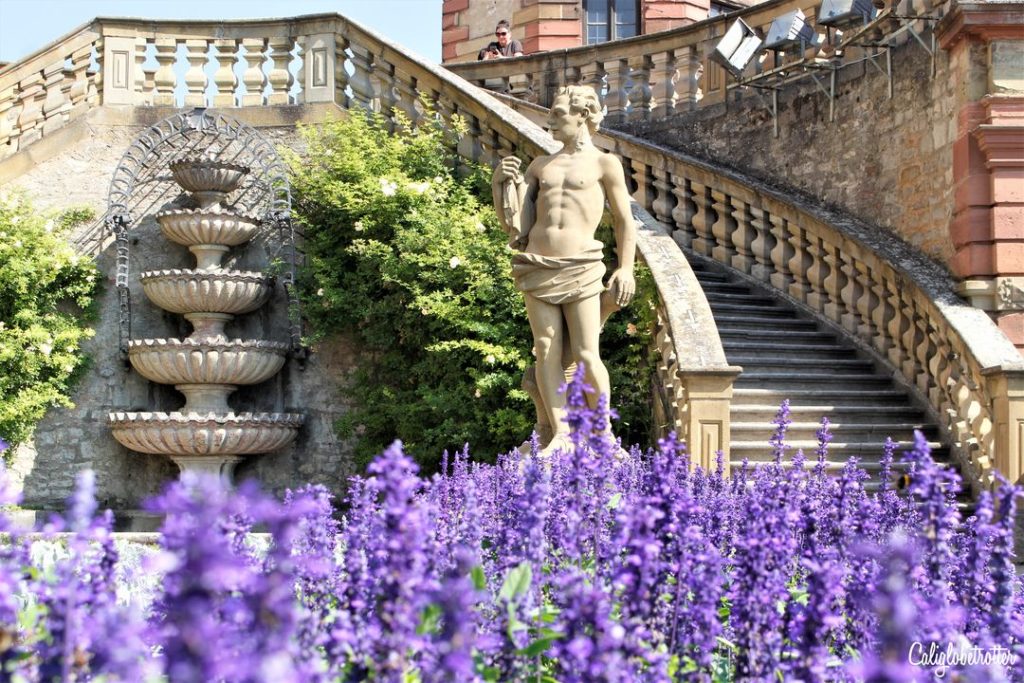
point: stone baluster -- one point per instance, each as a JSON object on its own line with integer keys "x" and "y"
{"x": 592, "y": 74}
{"x": 94, "y": 92}
{"x": 817, "y": 272}
{"x": 340, "y": 74}
{"x": 867, "y": 302}
{"x": 761, "y": 246}
{"x": 617, "y": 100}
{"x": 684, "y": 211}
{"x": 781, "y": 253}
{"x": 688, "y": 70}
{"x": 148, "y": 86}
{"x": 898, "y": 322}
{"x": 742, "y": 235}
{"x": 32, "y": 93}
{"x": 834, "y": 282}
{"x": 663, "y": 83}
{"x": 664, "y": 201}
{"x": 142, "y": 95}
{"x": 362, "y": 87}
{"x": 253, "y": 78}
{"x": 195, "y": 77}
{"x": 937, "y": 367}
{"x": 912, "y": 339}
{"x": 723, "y": 227}
{"x": 54, "y": 102}
{"x": 224, "y": 80}
{"x": 165, "y": 80}
{"x": 850, "y": 293}
{"x": 925, "y": 350}
{"x": 704, "y": 241}
{"x": 405, "y": 90}
{"x": 522, "y": 87}
{"x": 6, "y": 126}
{"x": 641, "y": 173}
{"x": 799, "y": 263}
{"x": 469, "y": 146}
{"x": 383, "y": 77}
{"x": 79, "y": 81}
{"x": 280, "y": 76}
{"x": 640, "y": 101}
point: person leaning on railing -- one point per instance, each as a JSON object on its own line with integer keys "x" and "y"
{"x": 504, "y": 46}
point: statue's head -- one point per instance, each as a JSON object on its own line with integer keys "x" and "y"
{"x": 574, "y": 105}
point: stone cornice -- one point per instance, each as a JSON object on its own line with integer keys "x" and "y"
{"x": 1003, "y": 145}
{"x": 984, "y": 20}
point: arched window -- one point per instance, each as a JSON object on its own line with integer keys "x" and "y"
{"x": 611, "y": 19}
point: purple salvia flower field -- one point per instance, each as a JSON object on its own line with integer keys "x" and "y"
{"x": 594, "y": 565}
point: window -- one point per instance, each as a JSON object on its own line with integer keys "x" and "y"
{"x": 611, "y": 19}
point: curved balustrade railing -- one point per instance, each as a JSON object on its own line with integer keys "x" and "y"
{"x": 341, "y": 63}
{"x": 898, "y": 304}
{"x": 654, "y": 75}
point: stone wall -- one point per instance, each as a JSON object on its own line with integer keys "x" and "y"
{"x": 69, "y": 440}
{"x": 886, "y": 161}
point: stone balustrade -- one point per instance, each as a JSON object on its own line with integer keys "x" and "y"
{"x": 652, "y": 76}
{"x": 327, "y": 59}
{"x": 902, "y": 308}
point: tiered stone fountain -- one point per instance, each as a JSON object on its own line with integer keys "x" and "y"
{"x": 206, "y": 434}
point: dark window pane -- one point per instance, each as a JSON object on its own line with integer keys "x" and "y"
{"x": 597, "y": 11}
{"x": 625, "y": 11}
{"x": 625, "y": 31}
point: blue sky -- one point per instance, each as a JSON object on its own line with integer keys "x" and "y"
{"x": 27, "y": 25}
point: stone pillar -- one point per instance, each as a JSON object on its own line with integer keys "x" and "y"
{"x": 318, "y": 55}
{"x": 708, "y": 395}
{"x": 985, "y": 43}
{"x": 119, "y": 70}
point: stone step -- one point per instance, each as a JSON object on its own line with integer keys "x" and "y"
{"x": 748, "y": 411}
{"x": 725, "y": 286}
{"x": 771, "y": 311}
{"x": 841, "y": 431}
{"x": 780, "y": 350}
{"x": 776, "y": 335}
{"x": 810, "y": 380}
{"x": 748, "y": 300}
{"x": 831, "y": 395}
{"x": 865, "y": 451}
{"x": 755, "y": 362}
{"x": 730, "y": 320}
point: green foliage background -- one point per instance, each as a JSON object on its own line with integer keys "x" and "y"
{"x": 406, "y": 254}
{"x": 46, "y": 295}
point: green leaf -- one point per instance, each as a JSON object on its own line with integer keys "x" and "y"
{"x": 517, "y": 582}
{"x": 479, "y": 578}
{"x": 614, "y": 501}
{"x": 539, "y": 645}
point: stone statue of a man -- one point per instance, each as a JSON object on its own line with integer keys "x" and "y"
{"x": 551, "y": 214}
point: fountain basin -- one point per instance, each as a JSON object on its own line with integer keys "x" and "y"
{"x": 190, "y": 227}
{"x": 173, "y": 361}
{"x": 192, "y": 434}
{"x": 206, "y": 291}
{"x": 209, "y": 180}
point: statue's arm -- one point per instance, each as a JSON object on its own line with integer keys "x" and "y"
{"x": 510, "y": 194}
{"x": 614, "y": 182}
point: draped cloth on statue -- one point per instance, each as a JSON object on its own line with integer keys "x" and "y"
{"x": 560, "y": 279}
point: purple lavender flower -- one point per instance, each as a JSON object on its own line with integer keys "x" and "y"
{"x": 778, "y": 437}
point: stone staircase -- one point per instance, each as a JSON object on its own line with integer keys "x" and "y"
{"x": 785, "y": 354}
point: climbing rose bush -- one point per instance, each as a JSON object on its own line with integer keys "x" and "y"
{"x": 594, "y": 566}
{"x": 46, "y": 290}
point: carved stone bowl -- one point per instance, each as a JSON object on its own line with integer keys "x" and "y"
{"x": 206, "y": 291}
{"x": 190, "y": 227}
{"x": 208, "y": 175}
{"x": 211, "y": 435}
{"x": 173, "y": 361}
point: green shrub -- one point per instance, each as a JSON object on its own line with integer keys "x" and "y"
{"x": 46, "y": 291}
{"x": 406, "y": 254}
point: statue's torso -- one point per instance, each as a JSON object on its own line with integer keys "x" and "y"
{"x": 569, "y": 203}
